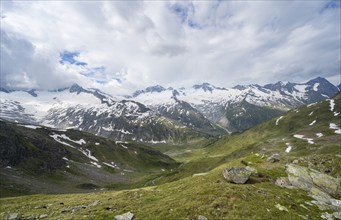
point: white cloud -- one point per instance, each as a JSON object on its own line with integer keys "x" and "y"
{"x": 169, "y": 43}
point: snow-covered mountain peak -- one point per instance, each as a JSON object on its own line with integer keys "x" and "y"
{"x": 77, "y": 88}
{"x": 151, "y": 89}
{"x": 204, "y": 108}
{"x": 321, "y": 87}
{"x": 205, "y": 86}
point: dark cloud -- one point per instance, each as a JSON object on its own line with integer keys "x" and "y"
{"x": 23, "y": 67}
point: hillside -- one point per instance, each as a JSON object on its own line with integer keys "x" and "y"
{"x": 37, "y": 159}
{"x": 308, "y": 136}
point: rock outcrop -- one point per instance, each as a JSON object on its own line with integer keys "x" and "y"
{"x": 306, "y": 179}
{"x": 236, "y": 175}
{"x": 125, "y": 216}
{"x": 13, "y": 216}
{"x": 322, "y": 187}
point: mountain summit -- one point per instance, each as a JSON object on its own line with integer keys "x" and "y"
{"x": 150, "y": 89}
{"x": 157, "y": 114}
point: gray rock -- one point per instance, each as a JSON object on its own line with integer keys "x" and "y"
{"x": 297, "y": 161}
{"x": 251, "y": 169}
{"x": 327, "y": 216}
{"x": 201, "y": 217}
{"x": 94, "y": 203}
{"x": 319, "y": 194}
{"x": 125, "y": 216}
{"x": 337, "y": 215}
{"x": 305, "y": 178}
{"x": 43, "y": 216}
{"x": 284, "y": 182}
{"x": 320, "y": 186}
{"x": 236, "y": 175}
{"x": 77, "y": 208}
{"x": 13, "y": 216}
{"x": 327, "y": 183}
{"x": 272, "y": 159}
{"x": 281, "y": 208}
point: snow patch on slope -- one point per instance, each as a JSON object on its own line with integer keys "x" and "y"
{"x": 278, "y": 120}
{"x": 319, "y": 135}
{"x": 96, "y": 164}
{"x": 29, "y": 126}
{"x": 289, "y": 147}
{"x": 335, "y": 127}
{"x": 331, "y": 104}
{"x": 299, "y": 136}
{"x": 86, "y": 152}
{"x": 315, "y": 87}
{"x": 312, "y": 123}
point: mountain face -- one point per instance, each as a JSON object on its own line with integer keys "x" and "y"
{"x": 92, "y": 111}
{"x": 160, "y": 115}
{"x": 238, "y": 108}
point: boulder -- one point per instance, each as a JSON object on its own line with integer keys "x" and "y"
{"x": 43, "y": 216}
{"x": 320, "y": 186}
{"x": 327, "y": 216}
{"x": 77, "y": 208}
{"x": 201, "y": 217}
{"x": 337, "y": 215}
{"x": 251, "y": 169}
{"x": 281, "y": 208}
{"x": 305, "y": 178}
{"x": 125, "y": 216}
{"x": 13, "y": 216}
{"x": 236, "y": 175}
{"x": 272, "y": 159}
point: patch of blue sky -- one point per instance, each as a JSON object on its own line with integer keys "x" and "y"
{"x": 180, "y": 10}
{"x": 101, "y": 81}
{"x": 70, "y": 57}
{"x": 194, "y": 24}
{"x": 331, "y": 5}
{"x": 118, "y": 79}
{"x": 183, "y": 13}
{"x": 93, "y": 72}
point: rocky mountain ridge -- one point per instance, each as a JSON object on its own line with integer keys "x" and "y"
{"x": 238, "y": 108}
{"x": 161, "y": 115}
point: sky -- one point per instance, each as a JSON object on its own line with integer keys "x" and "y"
{"x": 121, "y": 46}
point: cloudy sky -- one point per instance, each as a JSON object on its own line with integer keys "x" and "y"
{"x": 123, "y": 46}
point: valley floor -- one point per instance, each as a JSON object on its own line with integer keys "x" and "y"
{"x": 208, "y": 195}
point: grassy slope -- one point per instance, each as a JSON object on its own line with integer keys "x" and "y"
{"x": 183, "y": 196}
{"x": 42, "y": 169}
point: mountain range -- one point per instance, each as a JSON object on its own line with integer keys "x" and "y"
{"x": 295, "y": 161}
{"x": 161, "y": 115}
